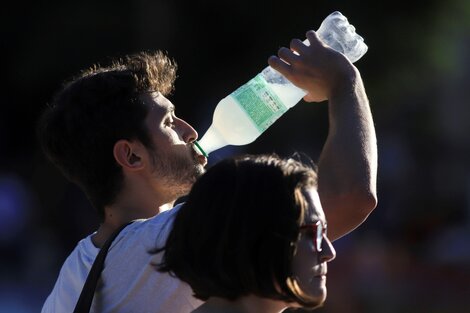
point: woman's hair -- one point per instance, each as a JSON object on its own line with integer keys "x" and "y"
{"x": 237, "y": 232}
{"x": 95, "y": 110}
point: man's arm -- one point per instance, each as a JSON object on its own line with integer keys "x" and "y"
{"x": 347, "y": 169}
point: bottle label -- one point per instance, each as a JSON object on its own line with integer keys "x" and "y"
{"x": 259, "y": 102}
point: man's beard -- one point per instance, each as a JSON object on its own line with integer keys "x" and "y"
{"x": 177, "y": 172}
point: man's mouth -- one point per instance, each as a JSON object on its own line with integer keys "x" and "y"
{"x": 201, "y": 159}
{"x": 199, "y": 149}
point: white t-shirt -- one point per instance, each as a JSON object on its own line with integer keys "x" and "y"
{"x": 129, "y": 282}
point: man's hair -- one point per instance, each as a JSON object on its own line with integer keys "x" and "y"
{"x": 236, "y": 234}
{"x": 96, "y": 109}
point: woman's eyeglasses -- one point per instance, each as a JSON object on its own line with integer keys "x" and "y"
{"x": 318, "y": 231}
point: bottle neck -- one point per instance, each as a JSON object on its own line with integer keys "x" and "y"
{"x": 212, "y": 140}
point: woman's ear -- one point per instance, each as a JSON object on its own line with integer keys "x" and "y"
{"x": 128, "y": 154}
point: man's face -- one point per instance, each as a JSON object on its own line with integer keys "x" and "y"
{"x": 176, "y": 164}
{"x": 309, "y": 265}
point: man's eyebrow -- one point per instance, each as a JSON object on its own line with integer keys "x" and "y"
{"x": 170, "y": 108}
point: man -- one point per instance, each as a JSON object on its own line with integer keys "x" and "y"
{"x": 113, "y": 132}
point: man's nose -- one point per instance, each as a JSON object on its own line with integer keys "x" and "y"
{"x": 186, "y": 131}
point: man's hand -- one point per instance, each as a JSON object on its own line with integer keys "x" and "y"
{"x": 347, "y": 168}
{"x": 317, "y": 69}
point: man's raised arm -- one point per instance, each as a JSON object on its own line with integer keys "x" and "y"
{"x": 347, "y": 169}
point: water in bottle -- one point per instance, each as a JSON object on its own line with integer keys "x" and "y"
{"x": 248, "y": 111}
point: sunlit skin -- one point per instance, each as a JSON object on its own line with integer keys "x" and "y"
{"x": 176, "y": 165}
{"x": 347, "y": 166}
{"x": 153, "y": 178}
{"x": 309, "y": 268}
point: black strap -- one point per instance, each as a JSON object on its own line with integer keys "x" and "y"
{"x": 88, "y": 291}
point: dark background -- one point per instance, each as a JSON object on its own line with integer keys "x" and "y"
{"x": 413, "y": 253}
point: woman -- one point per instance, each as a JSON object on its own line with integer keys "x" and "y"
{"x": 252, "y": 237}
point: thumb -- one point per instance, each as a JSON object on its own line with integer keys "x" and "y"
{"x": 314, "y": 98}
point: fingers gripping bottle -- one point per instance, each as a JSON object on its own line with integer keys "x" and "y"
{"x": 248, "y": 111}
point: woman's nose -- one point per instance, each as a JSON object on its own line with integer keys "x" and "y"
{"x": 328, "y": 252}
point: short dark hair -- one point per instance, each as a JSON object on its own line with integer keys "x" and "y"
{"x": 93, "y": 111}
{"x": 236, "y": 234}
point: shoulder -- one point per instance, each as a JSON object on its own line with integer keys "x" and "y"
{"x": 163, "y": 223}
{"x": 150, "y": 231}
{"x": 81, "y": 258}
{"x": 71, "y": 277}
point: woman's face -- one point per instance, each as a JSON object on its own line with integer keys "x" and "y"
{"x": 313, "y": 251}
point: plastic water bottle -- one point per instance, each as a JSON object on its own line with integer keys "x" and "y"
{"x": 248, "y": 111}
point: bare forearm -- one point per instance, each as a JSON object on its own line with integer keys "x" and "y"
{"x": 348, "y": 162}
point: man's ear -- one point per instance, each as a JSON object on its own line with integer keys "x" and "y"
{"x": 129, "y": 154}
